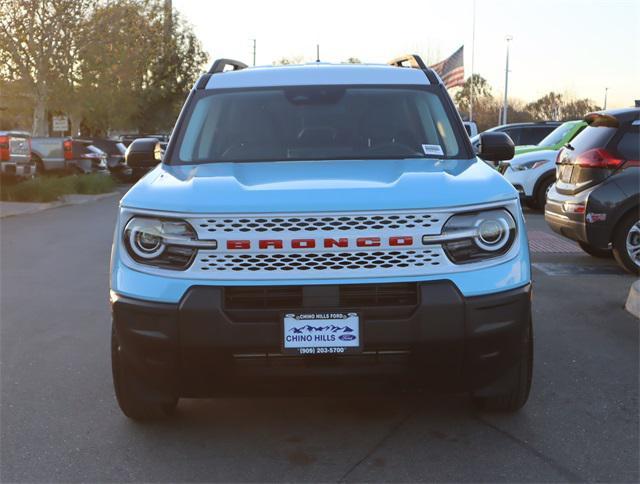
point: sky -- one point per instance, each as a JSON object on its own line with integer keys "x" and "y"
{"x": 575, "y": 47}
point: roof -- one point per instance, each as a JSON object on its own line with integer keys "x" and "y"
{"x": 623, "y": 114}
{"x": 316, "y": 73}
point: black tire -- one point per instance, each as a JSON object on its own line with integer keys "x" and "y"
{"x": 540, "y": 197}
{"x": 128, "y": 391}
{"x": 518, "y": 393}
{"x": 627, "y": 228}
{"x": 39, "y": 166}
{"x": 595, "y": 252}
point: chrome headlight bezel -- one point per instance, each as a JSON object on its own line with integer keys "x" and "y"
{"x": 469, "y": 237}
{"x": 160, "y": 242}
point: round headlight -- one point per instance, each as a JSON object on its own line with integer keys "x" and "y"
{"x": 493, "y": 233}
{"x": 474, "y": 236}
{"x": 145, "y": 238}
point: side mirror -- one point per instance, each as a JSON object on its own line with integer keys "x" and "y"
{"x": 496, "y": 147}
{"x": 143, "y": 152}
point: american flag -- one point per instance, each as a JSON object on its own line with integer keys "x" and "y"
{"x": 451, "y": 70}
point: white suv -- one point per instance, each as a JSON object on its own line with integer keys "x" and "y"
{"x": 532, "y": 174}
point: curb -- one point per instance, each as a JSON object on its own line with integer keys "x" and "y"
{"x": 633, "y": 300}
{"x": 41, "y": 207}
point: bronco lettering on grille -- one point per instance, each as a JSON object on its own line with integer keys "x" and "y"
{"x": 395, "y": 241}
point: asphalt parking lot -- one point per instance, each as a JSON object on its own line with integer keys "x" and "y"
{"x": 60, "y": 421}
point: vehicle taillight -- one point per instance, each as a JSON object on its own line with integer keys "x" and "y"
{"x": 5, "y": 155}
{"x": 68, "y": 149}
{"x": 598, "y": 158}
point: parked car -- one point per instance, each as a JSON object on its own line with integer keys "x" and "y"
{"x": 53, "y": 154}
{"x": 127, "y": 139}
{"x": 471, "y": 128}
{"x": 15, "y": 155}
{"x": 115, "y": 151}
{"x": 555, "y": 140}
{"x": 522, "y": 133}
{"x": 328, "y": 213}
{"x": 532, "y": 174}
{"x": 596, "y": 198}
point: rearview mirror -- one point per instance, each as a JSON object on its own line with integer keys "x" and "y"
{"x": 143, "y": 152}
{"x": 496, "y": 147}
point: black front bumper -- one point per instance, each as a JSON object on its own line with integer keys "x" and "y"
{"x": 434, "y": 331}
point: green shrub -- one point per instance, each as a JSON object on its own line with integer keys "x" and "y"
{"x": 51, "y": 188}
{"x": 94, "y": 184}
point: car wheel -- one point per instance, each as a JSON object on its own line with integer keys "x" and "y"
{"x": 595, "y": 252}
{"x": 543, "y": 190}
{"x": 626, "y": 243}
{"x": 518, "y": 392}
{"x": 129, "y": 389}
{"x": 39, "y": 166}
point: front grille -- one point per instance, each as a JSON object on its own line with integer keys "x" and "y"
{"x": 319, "y": 223}
{"x": 331, "y": 246}
{"x": 347, "y": 296}
{"x": 320, "y": 261}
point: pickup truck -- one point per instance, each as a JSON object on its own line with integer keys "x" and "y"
{"x": 68, "y": 155}
{"x": 15, "y": 154}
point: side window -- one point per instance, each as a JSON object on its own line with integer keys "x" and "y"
{"x": 532, "y": 136}
{"x": 514, "y": 134}
{"x": 629, "y": 145}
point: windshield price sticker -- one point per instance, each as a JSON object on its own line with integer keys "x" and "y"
{"x": 432, "y": 150}
{"x": 321, "y": 333}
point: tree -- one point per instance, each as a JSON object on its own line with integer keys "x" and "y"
{"x": 481, "y": 93}
{"x": 171, "y": 76}
{"x": 285, "y": 61}
{"x": 138, "y": 89}
{"x": 553, "y": 106}
{"x": 39, "y": 48}
{"x": 353, "y": 60}
{"x": 547, "y": 107}
{"x": 578, "y": 108}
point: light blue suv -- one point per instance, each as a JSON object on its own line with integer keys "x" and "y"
{"x": 319, "y": 218}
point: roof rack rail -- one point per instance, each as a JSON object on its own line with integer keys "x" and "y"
{"x": 414, "y": 61}
{"x": 220, "y": 64}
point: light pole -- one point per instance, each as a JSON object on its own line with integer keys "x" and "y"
{"x": 473, "y": 51}
{"x": 606, "y": 90}
{"x": 508, "y": 38}
{"x": 254, "y": 52}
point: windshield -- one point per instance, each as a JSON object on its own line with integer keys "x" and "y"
{"x": 558, "y": 135}
{"x": 316, "y": 123}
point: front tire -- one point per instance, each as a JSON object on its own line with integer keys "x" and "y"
{"x": 540, "y": 198}
{"x": 130, "y": 390}
{"x": 626, "y": 243}
{"x": 518, "y": 392}
{"x": 595, "y": 252}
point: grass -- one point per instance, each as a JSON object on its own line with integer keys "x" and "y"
{"x": 50, "y": 188}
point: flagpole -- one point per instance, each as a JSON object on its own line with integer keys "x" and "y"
{"x": 473, "y": 52}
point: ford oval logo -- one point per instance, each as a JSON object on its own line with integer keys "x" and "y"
{"x": 347, "y": 337}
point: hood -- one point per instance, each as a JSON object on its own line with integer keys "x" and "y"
{"x": 543, "y": 154}
{"x": 312, "y": 186}
{"x": 529, "y": 148}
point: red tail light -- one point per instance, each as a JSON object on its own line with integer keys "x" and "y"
{"x": 5, "y": 155}
{"x": 68, "y": 149}
{"x": 599, "y": 158}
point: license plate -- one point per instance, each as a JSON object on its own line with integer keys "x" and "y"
{"x": 321, "y": 333}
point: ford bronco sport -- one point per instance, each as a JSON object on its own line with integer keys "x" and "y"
{"x": 319, "y": 218}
